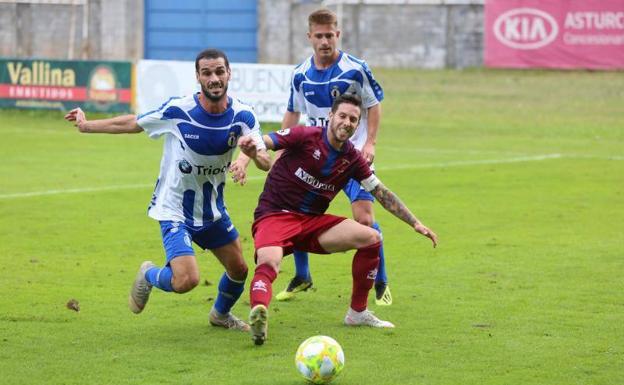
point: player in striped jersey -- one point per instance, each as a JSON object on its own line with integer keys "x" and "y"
{"x": 200, "y": 132}
{"x": 316, "y": 82}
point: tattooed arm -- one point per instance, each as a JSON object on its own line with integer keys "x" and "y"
{"x": 393, "y": 204}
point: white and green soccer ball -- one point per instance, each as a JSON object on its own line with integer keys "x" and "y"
{"x": 320, "y": 359}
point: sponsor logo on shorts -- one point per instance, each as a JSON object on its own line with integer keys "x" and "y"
{"x": 187, "y": 240}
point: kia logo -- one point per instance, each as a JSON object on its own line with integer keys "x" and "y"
{"x": 525, "y": 28}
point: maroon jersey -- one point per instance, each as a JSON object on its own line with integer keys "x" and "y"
{"x": 309, "y": 173}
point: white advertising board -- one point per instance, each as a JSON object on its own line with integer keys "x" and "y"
{"x": 264, "y": 86}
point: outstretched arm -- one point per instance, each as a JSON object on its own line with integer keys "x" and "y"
{"x": 393, "y": 204}
{"x": 249, "y": 151}
{"x": 124, "y": 124}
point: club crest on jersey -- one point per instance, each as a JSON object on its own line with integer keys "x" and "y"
{"x": 335, "y": 92}
{"x": 232, "y": 139}
{"x": 317, "y": 154}
{"x": 283, "y": 131}
{"x": 185, "y": 166}
{"x": 342, "y": 167}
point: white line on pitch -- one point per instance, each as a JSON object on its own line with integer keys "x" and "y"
{"x": 257, "y": 178}
{"x": 75, "y": 190}
{"x": 459, "y": 163}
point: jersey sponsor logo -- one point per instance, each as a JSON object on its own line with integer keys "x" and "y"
{"x": 283, "y": 131}
{"x": 185, "y": 166}
{"x": 312, "y": 181}
{"x": 198, "y": 169}
{"x": 318, "y": 122}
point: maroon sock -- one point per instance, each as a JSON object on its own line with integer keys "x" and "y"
{"x": 364, "y": 270}
{"x": 261, "y": 288}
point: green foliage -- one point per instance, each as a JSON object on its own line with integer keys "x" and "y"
{"x": 521, "y": 174}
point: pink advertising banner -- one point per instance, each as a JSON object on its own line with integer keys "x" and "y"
{"x": 554, "y": 34}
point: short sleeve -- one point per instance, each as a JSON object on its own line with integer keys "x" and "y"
{"x": 157, "y": 122}
{"x": 288, "y": 137}
{"x": 364, "y": 174}
{"x": 296, "y": 101}
{"x": 250, "y": 126}
{"x": 372, "y": 93}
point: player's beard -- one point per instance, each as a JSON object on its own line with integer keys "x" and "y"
{"x": 212, "y": 97}
{"x": 337, "y": 130}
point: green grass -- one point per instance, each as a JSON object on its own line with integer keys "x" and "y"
{"x": 525, "y": 288}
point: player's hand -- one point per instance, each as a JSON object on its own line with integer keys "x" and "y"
{"x": 247, "y": 146}
{"x": 78, "y": 117}
{"x": 368, "y": 152}
{"x": 238, "y": 169}
{"x": 424, "y": 230}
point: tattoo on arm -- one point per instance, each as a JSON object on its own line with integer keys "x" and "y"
{"x": 393, "y": 204}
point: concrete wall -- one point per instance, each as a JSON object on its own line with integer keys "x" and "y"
{"x": 425, "y": 34}
{"x": 94, "y": 29}
{"x": 413, "y": 34}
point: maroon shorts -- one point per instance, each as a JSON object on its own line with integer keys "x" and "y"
{"x": 293, "y": 231}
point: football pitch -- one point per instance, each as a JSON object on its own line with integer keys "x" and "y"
{"x": 521, "y": 174}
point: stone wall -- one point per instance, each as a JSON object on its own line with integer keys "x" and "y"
{"x": 94, "y": 29}
{"x": 426, "y": 34}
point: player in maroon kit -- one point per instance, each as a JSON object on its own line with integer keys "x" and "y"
{"x": 316, "y": 164}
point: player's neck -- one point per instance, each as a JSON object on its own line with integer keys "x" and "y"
{"x": 213, "y": 107}
{"x": 324, "y": 63}
{"x": 335, "y": 143}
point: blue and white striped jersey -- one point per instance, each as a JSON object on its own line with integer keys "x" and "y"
{"x": 312, "y": 91}
{"x": 197, "y": 153}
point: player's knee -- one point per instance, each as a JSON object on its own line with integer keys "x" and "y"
{"x": 370, "y": 237}
{"x": 186, "y": 282}
{"x": 238, "y": 270}
{"x": 366, "y": 220}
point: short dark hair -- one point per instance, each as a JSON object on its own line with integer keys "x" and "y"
{"x": 346, "y": 98}
{"x": 322, "y": 16}
{"x": 211, "y": 53}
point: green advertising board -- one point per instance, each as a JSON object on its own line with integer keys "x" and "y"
{"x": 103, "y": 86}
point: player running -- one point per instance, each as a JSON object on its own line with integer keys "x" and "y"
{"x": 316, "y": 82}
{"x": 316, "y": 163}
{"x": 201, "y": 132}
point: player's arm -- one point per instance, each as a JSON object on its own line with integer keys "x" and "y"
{"x": 291, "y": 119}
{"x": 374, "y": 118}
{"x": 249, "y": 150}
{"x": 124, "y": 124}
{"x": 391, "y": 202}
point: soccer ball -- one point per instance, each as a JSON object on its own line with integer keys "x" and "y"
{"x": 319, "y": 359}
